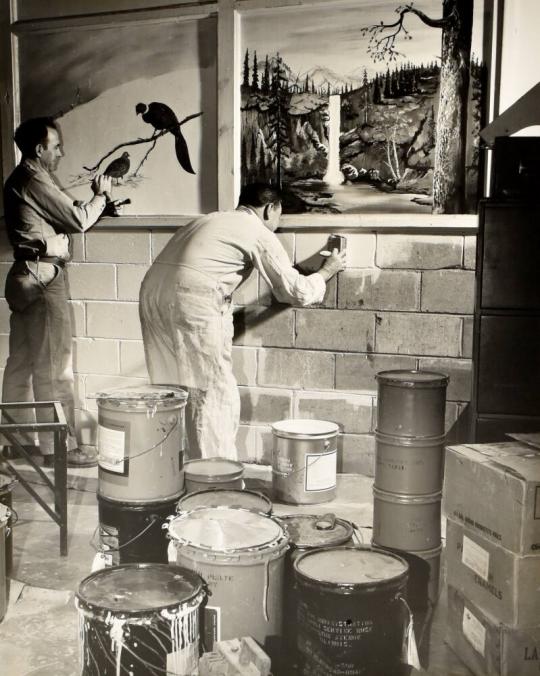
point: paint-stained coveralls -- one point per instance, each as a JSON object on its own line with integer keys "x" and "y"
{"x": 187, "y": 322}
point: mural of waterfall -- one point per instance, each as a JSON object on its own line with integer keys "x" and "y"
{"x": 333, "y": 175}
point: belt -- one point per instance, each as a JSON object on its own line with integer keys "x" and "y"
{"x": 54, "y": 260}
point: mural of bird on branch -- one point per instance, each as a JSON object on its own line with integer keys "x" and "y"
{"x": 118, "y": 168}
{"x": 163, "y": 119}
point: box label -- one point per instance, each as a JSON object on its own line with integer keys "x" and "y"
{"x": 475, "y": 557}
{"x": 321, "y": 471}
{"x": 474, "y": 631}
{"x": 111, "y": 449}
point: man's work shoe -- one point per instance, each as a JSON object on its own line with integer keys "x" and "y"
{"x": 79, "y": 458}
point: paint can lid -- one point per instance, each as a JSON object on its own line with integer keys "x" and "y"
{"x": 139, "y": 587}
{"x": 303, "y": 428}
{"x": 412, "y": 378}
{"x": 225, "y": 529}
{"x": 142, "y": 397}
{"x": 315, "y": 530}
{"x": 5, "y": 513}
{"x": 213, "y": 469}
{"x": 227, "y": 497}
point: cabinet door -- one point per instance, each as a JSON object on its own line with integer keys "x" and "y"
{"x": 496, "y": 429}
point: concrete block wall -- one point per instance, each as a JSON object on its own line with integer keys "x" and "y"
{"x": 405, "y": 301}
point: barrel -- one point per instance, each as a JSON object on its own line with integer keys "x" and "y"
{"x": 409, "y": 465}
{"x": 5, "y": 515}
{"x": 133, "y": 532}
{"x": 225, "y": 497}
{"x": 406, "y": 522}
{"x": 139, "y": 619}
{"x": 141, "y": 443}
{"x": 240, "y": 554}
{"x": 213, "y": 473}
{"x": 304, "y": 461}
{"x": 7, "y": 483}
{"x": 411, "y": 403}
{"x": 424, "y": 574}
{"x": 351, "y": 616}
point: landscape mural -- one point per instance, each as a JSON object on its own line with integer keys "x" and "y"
{"x": 365, "y": 108}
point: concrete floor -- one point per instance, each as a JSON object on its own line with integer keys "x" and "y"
{"x": 39, "y": 634}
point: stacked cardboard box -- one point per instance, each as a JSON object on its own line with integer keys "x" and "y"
{"x": 492, "y": 498}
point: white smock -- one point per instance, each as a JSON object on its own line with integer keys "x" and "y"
{"x": 187, "y": 322}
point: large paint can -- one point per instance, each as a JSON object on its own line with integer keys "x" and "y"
{"x": 139, "y": 619}
{"x": 352, "y": 618}
{"x": 409, "y": 465}
{"x": 304, "y": 461}
{"x": 240, "y": 554}
{"x": 5, "y": 515}
{"x": 225, "y": 497}
{"x": 411, "y": 403}
{"x": 141, "y": 443}
{"x": 408, "y": 522}
{"x": 134, "y": 533}
{"x": 213, "y": 473}
{"x": 7, "y": 483}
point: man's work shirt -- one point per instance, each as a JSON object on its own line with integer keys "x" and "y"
{"x": 226, "y": 246}
{"x": 38, "y": 212}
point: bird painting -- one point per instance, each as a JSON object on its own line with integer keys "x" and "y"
{"x": 163, "y": 118}
{"x": 118, "y": 168}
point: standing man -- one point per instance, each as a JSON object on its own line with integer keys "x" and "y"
{"x": 38, "y": 217}
{"x": 186, "y": 313}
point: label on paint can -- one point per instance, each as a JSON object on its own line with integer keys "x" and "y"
{"x": 101, "y": 560}
{"x": 474, "y": 631}
{"x": 111, "y": 445}
{"x": 475, "y": 557}
{"x": 212, "y": 625}
{"x": 108, "y": 536}
{"x": 172, "y": 556}
{"x": 320, "y": 471}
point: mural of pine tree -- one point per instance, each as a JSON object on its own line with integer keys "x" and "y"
{"x": 245, "y": 79}
{"x": 278, "y": 114}
{"x": 265, "y": 85}
{"x": 255, "y": 80}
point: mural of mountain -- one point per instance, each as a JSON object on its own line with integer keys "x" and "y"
{"x": 324, "y": 77}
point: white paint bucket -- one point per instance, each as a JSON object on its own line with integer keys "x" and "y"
{"x": 213, "y": 473}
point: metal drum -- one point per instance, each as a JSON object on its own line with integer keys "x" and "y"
{"x": 139, "y": 619}
{"x": 424, "y": 574}
{"x": 225, "y": 497}
{"x": 411, "y": 403}
{"x": 213, "y": 473}
{"x": 351, "y": 615}
{"x": 240, "y": 554}
{"x": 5, "y": 515}
{"x": 304, "y": 461}
{"x": 7, "y": 483}
{"x": 141, "y": 443}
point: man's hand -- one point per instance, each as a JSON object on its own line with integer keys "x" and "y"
{"x": 336, "y": 262}
{"x": 102, "y": 185}
{"x": 115, "y": 207}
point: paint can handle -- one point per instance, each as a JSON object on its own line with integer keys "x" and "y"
{"x": 326, "y": 522}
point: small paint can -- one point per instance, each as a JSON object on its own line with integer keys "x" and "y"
{"x": 411, "y": 403}
{"x": 411, "y": 465}
{"x": 304, "y": 461}
{"x": 139, "y": 619}
{"x": 5, "y": 515}
{"x": 225, "y": 497}
{"x": 240, "y": 554}
{"x": 140, "y": 443}
{"x": 213, "y": 473}
{"x": 352, "y": 618}
{"x": 7, "y": 483}
{"x": 408, "y": 522}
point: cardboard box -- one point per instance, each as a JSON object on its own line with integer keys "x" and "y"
{"x": 494, "y": 489}
{"x": 487, "y": 646}
{"x": 501, "y": 583}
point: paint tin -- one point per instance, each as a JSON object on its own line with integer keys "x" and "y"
{"x": 411, "y": 403}
{"x": 424, "y": 575}
{"x": 139, "y": 619}
{"x": 5, "y": 515}
{"x": 133, "y": 533}
{"x": 7, "y": 483}
{"x": 351, "y": 615}
{"x": 141, "y": 443}
{"x": 409, "y": 465}
{"x": 213, "y": 473}
{"x": 408, "y": 522}
{"x": 304, "y": 461}
{"x": 240, "y": 554}
{"x": 225, "y": 497}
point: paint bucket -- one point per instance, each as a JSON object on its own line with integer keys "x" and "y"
{"x": 424, "y": 574}
{"x": 139, "y": 619}
{"x": 5, "y": 515}
{"x": 7, "y": 482}
{"x": 225, "y": 497}
{"x": 406, "y": 522}
{"x": 141, "y": 443}
{"x": 409, "y": 465}
{"x": 213, "y": 473}
{"x": 304, "y": 461}
{"x": 352, "y": 617}
{"x": 133, "y": 533}
{"x": 240, "y": 555}
{"x": 411, "y": 403}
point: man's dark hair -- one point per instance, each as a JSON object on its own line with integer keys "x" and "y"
{"x": 259, "y": 194}
{"x": 32, "y": 132}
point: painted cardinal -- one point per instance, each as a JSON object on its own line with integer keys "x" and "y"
{"x": 161, "y": 117}
{"x": 119, "y": 167}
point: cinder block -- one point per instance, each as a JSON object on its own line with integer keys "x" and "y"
{"x": 268, "y": 326}
{"x": 448, "y": 291}
{"x": 113, "y": 320}
{"x": 158, "y": 242}
{"x": 89, "y": 281}
{"x": 358, "y": 371}
{"x": 4, "y": 348}
{"x": 245, "y": 365}
{"x": 298, "y": 369}
{"x": 260, "y": 405}
{"x": 114, "y": 247}
{"x": 335, "y": 330}
{"x": 86, "y": 425}
{"x": 459, "y": 372}
{"x": 95, "y": 384}
{"x": 357, "y": 454}
{"x": 248, "y": 292}
{"x": 360, "y": 249}
{"x": 287, "y": 239}
{"x": 419, "y": 252}
{"x": 420, "y": 334}
{"x": 467, "y": 337}
{"x": 129, "y": 281}
{"x": 96, "y": 356}
{"x": 254, "y": 444}
{"x": 77, "y": 247}
{"x": 352, "y": 412}
{"x": 77, "y": 312}
{"x": 469, "y": 254}
{"x": 451, "y": 416}
{"x": 132, "y": 360}
{"x": 5, "y": 314}
{"x": 4, "y": 269}
{"x": 376, "y": 289}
